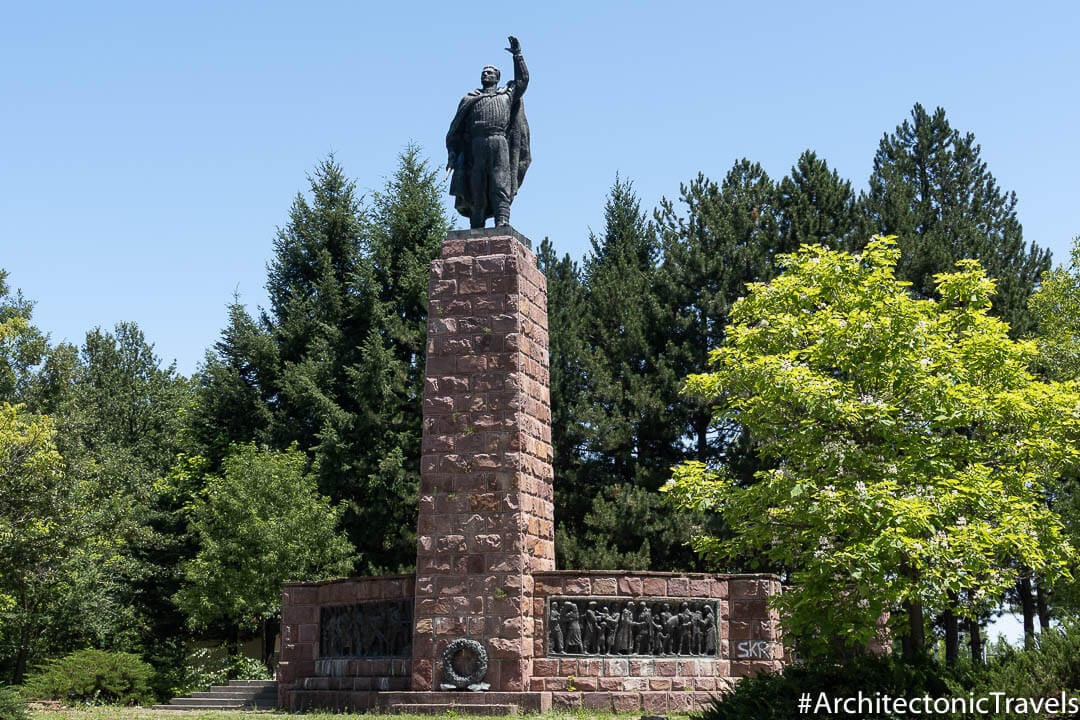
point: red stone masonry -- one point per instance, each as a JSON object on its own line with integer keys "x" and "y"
{"x": 302, "y": 672}
{"x": 486, "y": 516}
{"x": 749, "y": 634}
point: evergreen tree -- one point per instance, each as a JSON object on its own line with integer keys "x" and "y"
{"x": 235, "y": 388}
{"x": 628, "y": 441}
{"x": 336, "y": 363}
{"x": 930, "y": 187}
{"x": 728, "y": 237}
{"x": 378, "y": 445}
{"x": 568, "y": 350}
{"x": 816, "y": 206}
{"x": 313, "y": 312}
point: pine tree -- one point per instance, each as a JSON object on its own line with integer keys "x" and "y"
{"x": 816, "y": 206}
{"x": 728, "y": 237}
{"x": 621, "y": 442}
{"x": 931, "y": 188}
{"x": 235, "y": 388}
{"x": 379, "y": 446}
{"x": 313, "y": 312}
{"x": 336, "y": 363}
{"x": 569, "y": 390}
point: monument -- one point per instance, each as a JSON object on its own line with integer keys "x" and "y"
{"x": 487, "y": 620}
{"x": 488, "y": 149}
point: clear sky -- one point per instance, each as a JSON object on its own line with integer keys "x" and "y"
{"x": 148, "y": 151}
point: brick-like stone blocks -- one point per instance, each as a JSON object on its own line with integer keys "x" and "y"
{"x": 486, "y": 515}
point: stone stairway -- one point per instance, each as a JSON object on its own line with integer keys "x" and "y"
{"x": 237, "y": 695}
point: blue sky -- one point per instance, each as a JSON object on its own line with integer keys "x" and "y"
{"x": 148, "y": 151}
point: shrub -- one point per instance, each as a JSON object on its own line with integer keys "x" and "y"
{"x": 773, "y": 696}
{"x": 92, "y": 676}
{"x": 12, "y": 706}
{"x": 213, "y": 666}
{"x": 1046, "y": 670}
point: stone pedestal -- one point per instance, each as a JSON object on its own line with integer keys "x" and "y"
{"x": 486, "y": 521}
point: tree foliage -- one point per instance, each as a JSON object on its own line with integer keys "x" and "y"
{"x": 931, "y": 188}
{"x": 22, "y": 345}
{"x": 37, "y": 532}
{"x": 620, "y": 437}
{"x": 260, "y": 523}
{"x": 336, "y": 363}
{"x": 910, "y": 442}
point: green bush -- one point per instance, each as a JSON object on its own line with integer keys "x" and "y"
{"x": 12, "y": 706}
{"x": 213, "y": 666}
{"x": 92, "y": 676}
{"x": 1047, "y": 670}
{"x": 772, "y": 696}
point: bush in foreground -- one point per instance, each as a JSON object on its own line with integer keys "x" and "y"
{"x": 12, "y": 706}
{"x": 772, "y": 696}
{"x": 92, "y": 676}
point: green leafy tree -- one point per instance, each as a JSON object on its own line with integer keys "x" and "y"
{"x": 910, "y": 446}
{"x": 37, "y": 531}
{"x": 260, "y": 523}
{"x": 931, "y": 187}
{"x": 1056, "y": 311}
{"x": 22, "y": 345}
{"x": 119, "y": 416}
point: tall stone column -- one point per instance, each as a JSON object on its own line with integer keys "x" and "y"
{"x": 486, "y": 520}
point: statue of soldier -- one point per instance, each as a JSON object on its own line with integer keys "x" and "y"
{"x": 555, "y": 629}
{"x": 488, "y": 145}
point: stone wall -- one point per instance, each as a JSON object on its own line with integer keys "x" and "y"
{"x": 748, "y": 633}
{"x": 305, "y": 672}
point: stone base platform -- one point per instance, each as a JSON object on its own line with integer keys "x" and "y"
{"x": 502, "y": 703}
{"x": 422, "y": 702}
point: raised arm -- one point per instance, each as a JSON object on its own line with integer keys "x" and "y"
{"x": 521, "y": 73}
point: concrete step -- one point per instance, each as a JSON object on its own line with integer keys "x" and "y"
{"x": 496, "y": 709}
{"x": 237, "y": 695}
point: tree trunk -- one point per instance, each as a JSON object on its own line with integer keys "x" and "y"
{"x": 1042, "y": 606}
{"x": 26, "y": 632}
{"x": 232, "y": 646}
{"x": 22, "y": 655}
{"x": 976, "y": 641}
{"x": 915, "y": 641}
{"x": 1027, "y": 605}
{"x": 702, "y": 432}
{"x": 952, "y": 636}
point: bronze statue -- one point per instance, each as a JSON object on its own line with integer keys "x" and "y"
{"x": 488, "y": 145}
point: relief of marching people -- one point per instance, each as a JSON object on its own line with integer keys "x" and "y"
{"x": 655, "y": 627}
{"x": 367, "y": 630}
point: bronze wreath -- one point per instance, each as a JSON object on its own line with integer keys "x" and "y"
{"x": 452, "y": 676}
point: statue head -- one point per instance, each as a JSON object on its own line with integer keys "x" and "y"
{"x": 489, "y": 76}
